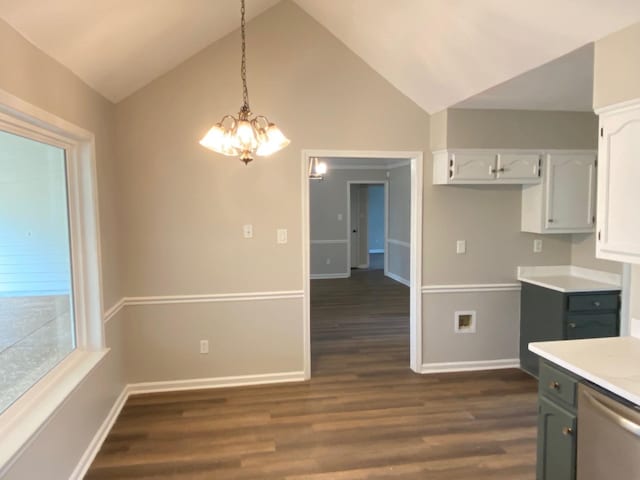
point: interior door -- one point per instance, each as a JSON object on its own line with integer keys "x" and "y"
{"x": 363, "y": 226}
{"x": 570, "y": 191}
{"x": 354, "y": 209}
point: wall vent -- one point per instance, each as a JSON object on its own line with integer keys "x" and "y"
{"x": 465, "y": 321}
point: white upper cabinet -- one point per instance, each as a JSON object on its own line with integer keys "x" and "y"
{"x": 519, "y": 167}
{"x": 565, "y": 201}
{"x": 619, "y": 184}
{"x": 452, "y": 167}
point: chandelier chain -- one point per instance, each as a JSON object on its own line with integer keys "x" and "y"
{"x": 243, "y": 66}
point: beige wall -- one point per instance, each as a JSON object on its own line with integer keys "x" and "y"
{"x": 474, "y": 128}
{"x": 34, "y": 77}
{"x": 439, "y": 130}
{"x": 186, "y": 205}
{"x": 583, "y": 254}
{"x": 617, "y": 67}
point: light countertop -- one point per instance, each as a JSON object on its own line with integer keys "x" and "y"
{"x": 569, "y": 278}
{"x": 612, "y": 363}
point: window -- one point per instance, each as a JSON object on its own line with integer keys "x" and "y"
{"x": 51, "y": 330}
{"x": 36, "y": 308}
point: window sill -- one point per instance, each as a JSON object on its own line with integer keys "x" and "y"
{"x": 21, "y": 422}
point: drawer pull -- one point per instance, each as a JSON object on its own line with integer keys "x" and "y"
{"x": 567, "y": 431}
{"x": 572, "y": 325}
{"x": 596, "y": 304}
{"x": 553, "y": 385}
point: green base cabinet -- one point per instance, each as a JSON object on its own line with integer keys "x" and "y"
{"x": 557, "y": 424}
{"x": 547, "y": 314}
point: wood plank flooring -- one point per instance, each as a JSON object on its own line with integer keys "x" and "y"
{"x": 363, "y": 415}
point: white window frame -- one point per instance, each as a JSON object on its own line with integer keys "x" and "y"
{"x": 22, "y": 421}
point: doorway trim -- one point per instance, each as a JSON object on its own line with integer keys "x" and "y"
{"x": 385, "y": 184}
{"x": 415, "y": 257}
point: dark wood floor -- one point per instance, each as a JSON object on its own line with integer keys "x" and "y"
{"x": 363, "y": 414}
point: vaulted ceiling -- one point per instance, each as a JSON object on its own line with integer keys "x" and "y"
{"x": 437, "y": 52}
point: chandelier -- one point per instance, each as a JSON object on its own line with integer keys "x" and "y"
{"x": 247, "y": 134}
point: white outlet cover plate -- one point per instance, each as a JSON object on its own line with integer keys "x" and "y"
{"x": 247, "y": 231}
{"x": 461, "y": 246}
{"x": 282, "y": 235}
{"x": 537, "y": 246}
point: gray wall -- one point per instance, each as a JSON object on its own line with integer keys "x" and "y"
{"x": 328, "y": 199}
{"x": 376, "y": 221}
{"x": 399, "y": 222}
{"x": 36, "y": 78}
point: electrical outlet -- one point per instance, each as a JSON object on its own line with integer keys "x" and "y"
{"x": 204, "y": 346}
{"x": 247, "y": 231}
{"x": 328, "y": 261}
{"x": 339, "y": 217}
{"x": 461, "y": 246}
{"x": 537, "y": 245}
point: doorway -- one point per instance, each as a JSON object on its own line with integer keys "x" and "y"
{"x": 368, "y": 219}
{"x": 413, "y": 243}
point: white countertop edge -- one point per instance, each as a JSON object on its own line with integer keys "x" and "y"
{"x": 571, "y": 270}
{"x": 541, "y": 276}
{"x": 601, "y": 287}
{"x": 602, "y": 382}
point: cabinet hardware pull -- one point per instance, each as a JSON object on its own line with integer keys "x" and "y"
{"x": 551, "y": 220}
{"x": 572, "y": 325}
{"x": 554, "y": 385}
{"x": 567, "y": 431}
{"x": 596, "y": 304}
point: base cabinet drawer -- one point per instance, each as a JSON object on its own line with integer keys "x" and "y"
{"x": 556, "y": 442}
{"x": 592, "y": 326}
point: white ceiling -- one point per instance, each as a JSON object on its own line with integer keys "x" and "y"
{"x": 119, "y": 46}
{"x": 562, "y": 84}
{"x": 437, "y": 52}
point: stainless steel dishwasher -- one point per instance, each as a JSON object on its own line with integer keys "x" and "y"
{"x": 608, "y": 437}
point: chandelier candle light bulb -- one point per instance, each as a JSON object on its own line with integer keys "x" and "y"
{"x": 244, "y": 135}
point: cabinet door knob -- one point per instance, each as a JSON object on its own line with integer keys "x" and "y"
{"x": 596, "y": 304}
{"x": 572, "y": 325}
{"x": 567, "y": 431}
{"x": 553, "y": 385}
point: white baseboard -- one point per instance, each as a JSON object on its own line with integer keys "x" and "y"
{"x": 325, "y": 276}
{"x": 470, "y": 366}
{"x": 98, "y": 439}
{"x": 215, "y": 382}
{"x": 398, "y": 278}
{"x": 171, "y": 386}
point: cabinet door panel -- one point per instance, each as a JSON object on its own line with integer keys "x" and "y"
{"x": 556, "y": 442}
{"x": 471, "y": 166}
{"x": 521, "y": 167}
{"x": 571, "y": 183}
{"x": 619, "y": 222}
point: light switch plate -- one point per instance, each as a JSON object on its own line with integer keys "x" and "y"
{"x": 282, "y": 235}
{"x": 339, "y": 217}
{"x": 461, "y": 246}
{"x": 537, "y": 245}
{"x": 204, "y": 346}
{"x": 247, "y": 231}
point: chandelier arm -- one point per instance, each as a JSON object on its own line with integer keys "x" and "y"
{"x": 243, "y": 66}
